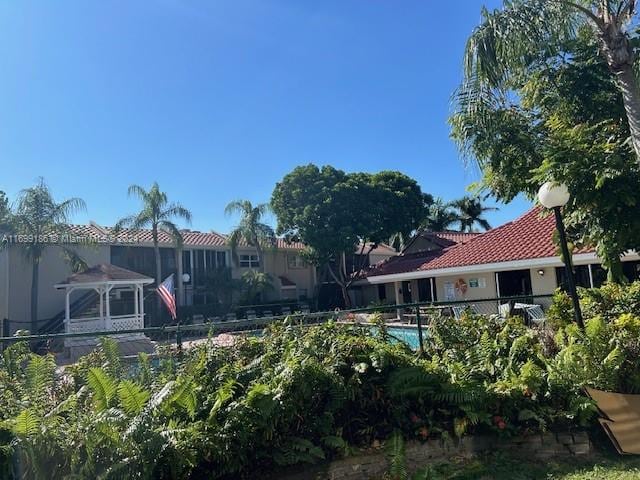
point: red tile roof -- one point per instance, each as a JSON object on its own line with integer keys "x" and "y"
{"x": 456, "y": 237}
{"x": 192, "y": 238}
{"x": 528, "y": 237}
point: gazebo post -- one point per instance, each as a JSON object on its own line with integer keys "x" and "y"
{"x": 107, "y": 319}
{"x": 141, "y": 300}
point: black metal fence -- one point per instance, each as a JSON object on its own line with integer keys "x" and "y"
{"x": 413, "y": 315}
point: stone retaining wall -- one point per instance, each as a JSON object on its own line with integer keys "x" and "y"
{"x": 374, "y": 464}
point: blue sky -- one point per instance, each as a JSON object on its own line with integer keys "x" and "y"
{"x": 217, "y": 100}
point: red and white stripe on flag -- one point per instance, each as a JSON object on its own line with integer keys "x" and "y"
{"x": 167, "y": 294}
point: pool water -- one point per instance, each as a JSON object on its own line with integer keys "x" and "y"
{"x": 407, "y": 335}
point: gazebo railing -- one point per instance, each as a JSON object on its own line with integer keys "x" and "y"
{"x": 114, "y": 323}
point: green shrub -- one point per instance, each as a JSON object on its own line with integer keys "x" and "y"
{"x": 305, "y": 394}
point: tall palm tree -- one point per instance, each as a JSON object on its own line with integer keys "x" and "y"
{"x": 440, "y": 217}
{"x": 508, "y": 40}
{"x": 470, "y": 211}
{"x": 38, "y": 218}
{"x": 157, "y": 214}
{"x": 251, "y": 229}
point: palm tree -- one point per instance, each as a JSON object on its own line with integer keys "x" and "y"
{"x": 158, "y": 215}
{"x": 254, "y": 285}
{"x": 469, "y": 213}
{"x": 38, "y": 218}
{"x": 503, "y": 46}
{"x": 251, "y": 230}
{"x": 440, "y": 217}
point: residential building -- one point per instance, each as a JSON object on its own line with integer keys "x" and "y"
{"x": 201, "y": 255}
{"x": 519, "y": 258}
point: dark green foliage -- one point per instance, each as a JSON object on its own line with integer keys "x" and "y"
{"x": 305, "y": 394}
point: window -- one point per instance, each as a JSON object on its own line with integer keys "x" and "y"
{"x": 221, "y": 258}
{"x": 382, "y": 292}
{"x": 580, "y": 272}
{"x": 424, "y": 290}
{"x": 186, "y": 263}
{"x": 249, "y": 261}
{"x": 211, "y": 260}
{"x": 295, "y": 261}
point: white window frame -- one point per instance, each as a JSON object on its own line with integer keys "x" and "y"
{"x": 295, "y": 261}
{"x": 249, "y": 260}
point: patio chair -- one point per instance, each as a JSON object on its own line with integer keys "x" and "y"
{"x": 251, "y": 315}
{"x": 458, "y": 310}
{"x": 267, "y": 313}
{"x": 504, "y": 310}
{"x": 536, "y": 315}
{"x": 198, "y": 318}
{"x": 304, "y": 308}
{"x": 286, "y": 311}
{"x": 231, "y": 316}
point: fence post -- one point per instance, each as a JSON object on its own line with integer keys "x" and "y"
{"x": 179, "y": 339}
{"x": 420, "y": 339}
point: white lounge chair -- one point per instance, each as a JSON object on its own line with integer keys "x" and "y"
{"x": 458, "y": 310}
{"x": 536, "y": 315}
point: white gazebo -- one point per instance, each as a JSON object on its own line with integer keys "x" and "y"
{"x": 107, "y": 281}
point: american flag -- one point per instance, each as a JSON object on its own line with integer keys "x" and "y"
{"x": 167, "y": 294}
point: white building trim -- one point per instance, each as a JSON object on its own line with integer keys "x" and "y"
{"x": 578, "y": 259}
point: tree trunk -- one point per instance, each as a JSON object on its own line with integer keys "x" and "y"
{"x": 631, "y": 98}
{"x": 620, "y": 58}
{"x": 35, "y": 278}
{"x": 156, "y": 251}
{"x": 260, "y": 254}
{"x": 180, "y": 269}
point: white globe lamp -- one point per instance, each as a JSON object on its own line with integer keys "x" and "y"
{"x": 552, "y": 195}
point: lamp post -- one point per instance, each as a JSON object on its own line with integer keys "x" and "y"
{"x": 555, "y": 196}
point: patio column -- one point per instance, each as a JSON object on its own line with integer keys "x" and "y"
{"x": 136, "y": 303}
{"x": 99, "y": 290}
{"x": 396, "y": 289}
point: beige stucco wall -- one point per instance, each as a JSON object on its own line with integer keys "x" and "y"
{"x": 53, "y": 269}
{"x": 276, "y": 265}
{"x": 543, "y": 284}
{"x": 4, "y": 283}
{"x": 489, "y": 291}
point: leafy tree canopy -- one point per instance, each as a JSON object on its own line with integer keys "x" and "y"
{"x": 566, "y": 122}
{"x": 333, "y": 212}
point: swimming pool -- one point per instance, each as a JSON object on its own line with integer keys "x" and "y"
{"x": 408, "y": 335}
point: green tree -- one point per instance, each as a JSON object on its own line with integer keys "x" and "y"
{"x": 470, "y": 212}
{"x": 509, "y": 41}
{"x": 567, "y": 123}
{"x": 38, "y": 218}
{"x": 334, "y": 213}
{"x": 440, "y": 217}
{"x": 251, "y": 229}
{"x": 157, "y": 214}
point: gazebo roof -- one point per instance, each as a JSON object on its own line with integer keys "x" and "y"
{"x": 105, "y": 273}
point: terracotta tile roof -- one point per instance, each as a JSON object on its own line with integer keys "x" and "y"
{"x": 456, "y": 237}
{"x": 192, "y": 238}
{"x": 282, "y": 244}
{"x": 528, "y": 237}
{"x": 102, "y": 273}
{"x": 441, "y": 239}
